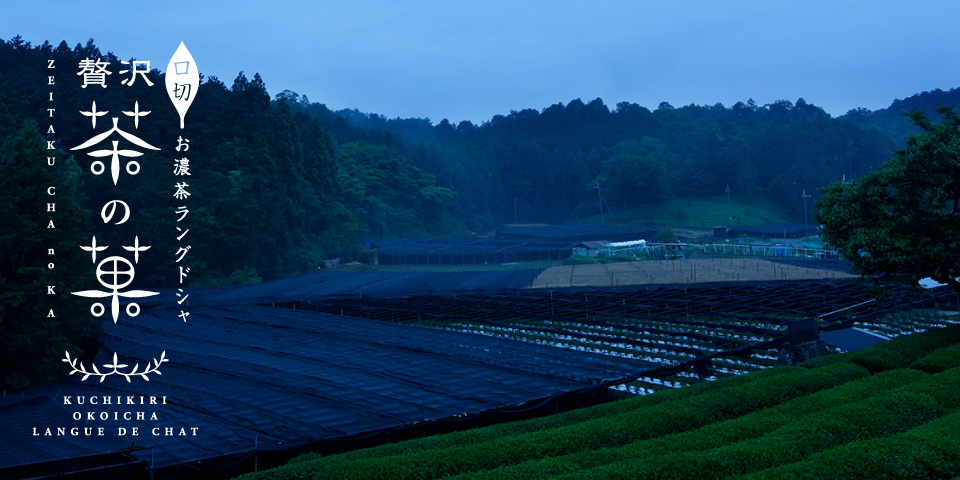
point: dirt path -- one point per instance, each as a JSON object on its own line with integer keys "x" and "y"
{"x": 678, "y": 271}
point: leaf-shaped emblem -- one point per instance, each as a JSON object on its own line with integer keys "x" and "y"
{"x": 182, "y": 80}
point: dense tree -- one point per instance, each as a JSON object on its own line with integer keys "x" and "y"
{"x": 32, "y": 339}
{"x": 388, "y": 192}
{"x": 641, "y": 171}
{"x": 265, "y": 199}
{"x": 902, "y": 221}
{"x": 665, "y": 235}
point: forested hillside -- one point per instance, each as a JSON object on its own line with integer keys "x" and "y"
{"x": 279, "y": 184}
{"x": 893, "y": 121}
{"x": 274, "y": 193}
{"x": 283, "y": 183}
{"x": 270, "y": 193}
{"x": 549, "y": 162}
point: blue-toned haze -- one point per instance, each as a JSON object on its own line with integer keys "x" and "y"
{"x": 473, "y": 60}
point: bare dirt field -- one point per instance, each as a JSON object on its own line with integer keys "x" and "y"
{"x": 678, "y": 271}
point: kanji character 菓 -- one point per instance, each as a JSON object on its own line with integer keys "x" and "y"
{"x": 115, "y": 274}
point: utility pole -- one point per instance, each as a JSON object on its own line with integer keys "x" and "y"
{"x": 600, "y": 198}
{"x": 806, "y": 233}
{"x": 729, "y": 206}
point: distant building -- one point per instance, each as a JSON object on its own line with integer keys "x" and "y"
{"x": 589, "y": 248}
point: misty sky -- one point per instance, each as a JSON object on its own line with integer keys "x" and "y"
{"x": 472, "y": 60}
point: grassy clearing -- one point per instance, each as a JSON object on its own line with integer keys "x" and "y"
{"x": 704, "y": 212}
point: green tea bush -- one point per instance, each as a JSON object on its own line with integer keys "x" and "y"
{"x": 900, "y": 352}
{"x": 494, "y": 431}
{"x": 887, "y": 414}
{"x": 783, "y": 422}
{"x": 478, "y": 435}
{"x": 940, "y": 360}
{"x": 926, "y": 452}
{"x": 714, "y": 435}
{"x": 644, "y": 422}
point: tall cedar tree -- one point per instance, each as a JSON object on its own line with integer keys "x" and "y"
{"x": 32, "y": 339}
